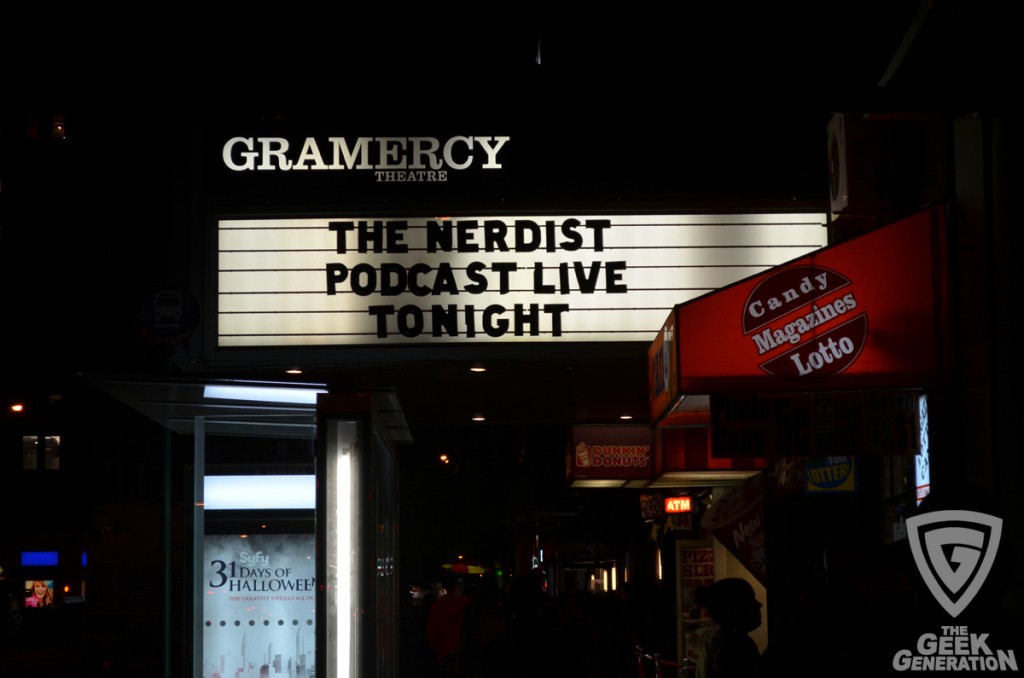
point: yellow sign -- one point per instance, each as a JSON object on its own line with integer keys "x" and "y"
{"x": 830, "y": 474}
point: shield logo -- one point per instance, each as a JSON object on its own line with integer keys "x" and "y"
{"x": 954, "y": 552}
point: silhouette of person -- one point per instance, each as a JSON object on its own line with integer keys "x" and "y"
{"x": 730, "y": 652}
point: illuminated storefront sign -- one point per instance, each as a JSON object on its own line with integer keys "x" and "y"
{"x": 678, "y": 504}
{"x": 615, "y": 453}
{"x": 361, "y": 281}
{"x": 830, "y": 475}
{"x": 662, "y": 366}
{"x": 864, "y": 314}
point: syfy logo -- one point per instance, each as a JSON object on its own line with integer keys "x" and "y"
{"x": 258, "y": 558}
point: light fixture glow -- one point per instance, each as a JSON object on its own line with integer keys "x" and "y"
{"x": 340, "y": 531}
{"x": 597, "y": 482}
{"x": 479, "y": 417}
{"x": 263, "y": 394}
{"x": 625, "y": 417}
{"x": 343, "y": 559}
{"x": 17, "y": 407}
{"x": 260, "y": 492}
{"x": 39, "y": 558}
{"x": 698, "y": 478}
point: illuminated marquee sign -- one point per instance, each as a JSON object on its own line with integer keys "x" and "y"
{"x": 587, "y": 278}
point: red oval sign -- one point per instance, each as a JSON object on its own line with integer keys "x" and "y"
{"x": 801, "y": 327}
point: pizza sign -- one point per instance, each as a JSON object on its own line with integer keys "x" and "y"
{"x": 805, "y": 321}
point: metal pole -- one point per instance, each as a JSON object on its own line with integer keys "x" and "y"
{"x": 198, "y": 531}
{"x": 165, "y": 548}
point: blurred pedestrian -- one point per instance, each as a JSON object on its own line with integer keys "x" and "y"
{"x": 416, "y": 659}
{"x": 449, "y": 623}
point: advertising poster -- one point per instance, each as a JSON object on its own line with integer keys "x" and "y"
{"x": 696, "y": 569}
{"x": 737, "y": 520}
{"x": 258, "y": 607}
{"x": 39, "y": 593}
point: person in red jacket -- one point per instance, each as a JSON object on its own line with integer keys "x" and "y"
{"x": 447, "y": 627}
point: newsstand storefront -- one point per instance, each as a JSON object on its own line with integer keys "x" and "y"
{"x": 815, "y": 376}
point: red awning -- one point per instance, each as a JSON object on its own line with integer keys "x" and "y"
{"x": 864, "y": 314}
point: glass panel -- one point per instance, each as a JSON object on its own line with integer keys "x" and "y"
{"x": 30, "y": 453}
{"x": 254, "y": 556}
{"x": 258, "y": 609}
{"x": 385, "y": 479}
{"x": 52, "y": 453}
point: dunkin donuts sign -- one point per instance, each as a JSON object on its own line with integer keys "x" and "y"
{"x": 612, "y": 452}
{"x": 612, "y": 456}
{"x": 805, "y": 321}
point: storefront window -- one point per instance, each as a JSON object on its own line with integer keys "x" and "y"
{"x": 32, "y": 460}
{"x": 30, "y": 453}
{"x": 51, "y": 453}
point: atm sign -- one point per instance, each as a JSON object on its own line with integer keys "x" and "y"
{"x": 678, "y": 504}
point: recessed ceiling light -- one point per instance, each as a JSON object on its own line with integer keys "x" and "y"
{"x": 477, "y": 367}
{"x": 479, "y": 417}
{"x": 294, "y": 370}
{"x": 625, "y": 417}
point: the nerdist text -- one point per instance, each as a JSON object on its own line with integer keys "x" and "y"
{"x": 419, "y": 269}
